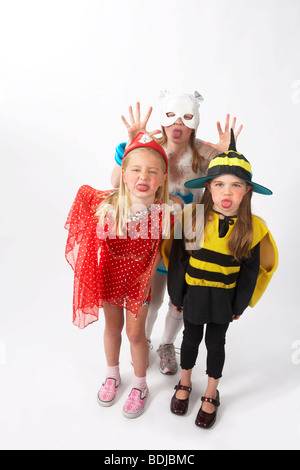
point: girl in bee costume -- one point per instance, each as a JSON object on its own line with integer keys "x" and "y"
{"x": 217, "y": 281}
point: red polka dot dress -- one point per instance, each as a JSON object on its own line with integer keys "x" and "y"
{"x": 109, "y": 268}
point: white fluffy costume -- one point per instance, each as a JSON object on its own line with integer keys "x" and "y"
{"x": 180, "y": 171}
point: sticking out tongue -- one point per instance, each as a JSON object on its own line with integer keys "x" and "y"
{"x": 226, "y": 203}
{"x": 142, "y": 187}
{"x": 177, "y": 133}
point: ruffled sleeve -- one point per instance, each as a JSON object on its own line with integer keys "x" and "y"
{"x": 82, "y": 254}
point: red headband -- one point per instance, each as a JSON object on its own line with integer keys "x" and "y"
{"x": 145, "y": 141}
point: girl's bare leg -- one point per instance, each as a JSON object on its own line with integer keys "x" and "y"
{"x": 135, "y": 329}
{"x": 114, "y": 322}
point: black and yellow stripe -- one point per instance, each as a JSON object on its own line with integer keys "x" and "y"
{"x": 232, "y": 163}
{"x": 212, "y": 269}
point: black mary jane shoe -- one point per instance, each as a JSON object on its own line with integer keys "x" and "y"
{"x": 204, "y": 419}
{"x": 178, "y": 406}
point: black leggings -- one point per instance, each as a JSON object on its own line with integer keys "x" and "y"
{"x": 215, "y": 344}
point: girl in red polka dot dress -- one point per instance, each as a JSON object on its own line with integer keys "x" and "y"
{"x": 113, "y": 247}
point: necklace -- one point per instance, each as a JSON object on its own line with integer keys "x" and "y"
{"x": 139, "y": 215}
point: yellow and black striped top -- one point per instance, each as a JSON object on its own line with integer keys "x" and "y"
{"x": 210, "y": 284}
{"x": 213, "y": 265}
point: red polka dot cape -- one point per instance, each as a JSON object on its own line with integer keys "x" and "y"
{"x": 108, "y": 268}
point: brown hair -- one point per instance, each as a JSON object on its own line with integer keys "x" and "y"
{"x": 240, "y": 240}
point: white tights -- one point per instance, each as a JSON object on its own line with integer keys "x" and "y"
{"x": 173, "y": 321}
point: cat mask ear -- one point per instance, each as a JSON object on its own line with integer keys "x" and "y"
{"x": 198, "y": 96}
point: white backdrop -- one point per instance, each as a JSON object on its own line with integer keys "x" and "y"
{"x": 69, "y": 69}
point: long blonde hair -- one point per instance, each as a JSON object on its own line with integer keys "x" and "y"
{"x": 119, "y": 202}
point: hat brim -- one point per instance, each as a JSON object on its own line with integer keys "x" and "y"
{"x": 200, "y": 183}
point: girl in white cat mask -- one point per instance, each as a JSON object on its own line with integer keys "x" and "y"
{"x": 188, "y": 159}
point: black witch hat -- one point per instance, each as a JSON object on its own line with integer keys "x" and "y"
{"x": 232, "y": 163}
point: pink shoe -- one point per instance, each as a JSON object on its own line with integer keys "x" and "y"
{"x": 108, "y": 390}
{"x": 135, "y": 403}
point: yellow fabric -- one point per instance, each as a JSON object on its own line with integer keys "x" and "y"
{"x": 230, "y": 162}
{"x": 212, "y": 267}
{"x": 268, "y": 265}
{"x": 192, "y": 281}
{"x": 261, "y": 234}
{"x": 166, "y": 246}
{"x": 212, "y": 241}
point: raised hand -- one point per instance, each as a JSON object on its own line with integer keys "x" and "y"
{"x": 224, "y": 137}
{"x": 136, "y": 125}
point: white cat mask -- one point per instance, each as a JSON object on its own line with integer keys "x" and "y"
{"x": 182, "y": 106}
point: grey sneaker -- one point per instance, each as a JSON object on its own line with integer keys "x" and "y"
{"x": 168, "y": 364}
